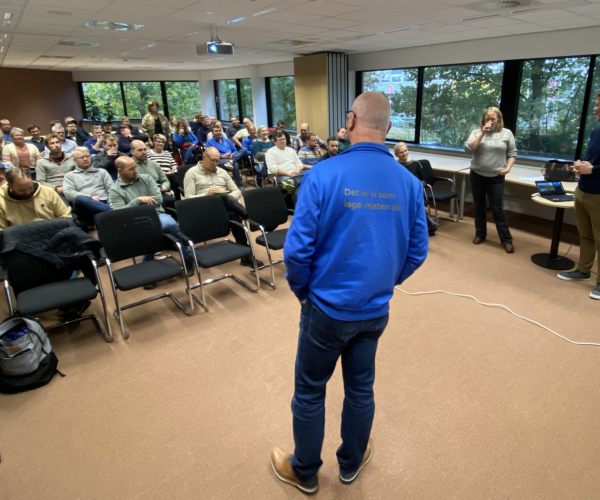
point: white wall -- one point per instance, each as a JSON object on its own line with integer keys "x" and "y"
{"x": 575, "y": 42}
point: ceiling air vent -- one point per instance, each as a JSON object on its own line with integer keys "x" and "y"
{"x": 293, "y": 43}
{"x": 498, "y": 5}
{"x": 107, "y": 25}
{"x": 78, "y": 44}
{"x": 55, "y": 57}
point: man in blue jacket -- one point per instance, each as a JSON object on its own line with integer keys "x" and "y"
{"x": 359, "y": 229}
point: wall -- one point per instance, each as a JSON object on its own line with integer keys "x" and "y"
{"x": 38, "y": 96}
{"x": 310, "y": 79}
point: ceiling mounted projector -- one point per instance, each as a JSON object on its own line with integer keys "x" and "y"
{"x": 215, "y": 46}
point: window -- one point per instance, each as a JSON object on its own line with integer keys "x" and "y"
{"x": 454, "y": 99}
{"x": 183, "y": 99}
{"x": 227, "y": 99}
{"x": 282, "y": 101}
{"x": 246, "y": 95}
{"x": 102, "y": 101}
{"x": 550, "y": 106}
{"x": 591, "y": 121}
{"x": 400, "y": 87}
{"x": 137, "y": 96}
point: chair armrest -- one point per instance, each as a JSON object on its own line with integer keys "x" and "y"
{"x": 291, "y": 210}
{"x": 103, "y": 253}
{"x": 237, "y": 223}
{"x": 446, "y": 179}
{"x": 170, "y": 209}
{"x": 253, "y": 223}
{"x": 172, "y": 238}
{"x": 3, "y": 274}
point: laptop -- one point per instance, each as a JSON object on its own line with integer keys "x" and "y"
{"x": 553, "y": 191}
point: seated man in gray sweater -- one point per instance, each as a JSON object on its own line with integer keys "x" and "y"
{"x": 139, "y": 152}
{"x": 132, "y": 190}
{"x": 50, "y": 171}
{"x": 87, "y": 187}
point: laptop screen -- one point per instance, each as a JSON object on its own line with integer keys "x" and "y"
{"x": 550, "y": 188}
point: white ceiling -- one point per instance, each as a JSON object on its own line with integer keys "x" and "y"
{"x": 172, "y": 28}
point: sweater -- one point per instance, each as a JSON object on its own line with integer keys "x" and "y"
{"x": 107, "y": 162}
{"x": 165, "y": 160}
{"x": 591, "y": 183}
{"x": 493, "y": 151}
{"x": 49, "y": 173}
{"x": 151, "y": 168}
{"x": 123, "y": 195}
{"x": 285, "y": 159}
{"x": 89, "y": 182}
{"x": 188, "y": 138}
{"x": 9, "y": 154}
{"x": 358, "y": 230}
{"x": 343, "y": 144}
{"x": 261, "y": 147}
{"x": 309, "y": 156}
{"x": 44, "y": 204}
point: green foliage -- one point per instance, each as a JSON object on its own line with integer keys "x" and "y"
{"x": 283, "y": 101}
{"x": 137, "y": 96}
{"x": 591, "y": 122}
{"x": 550, "y": 106}
{"x": 454, "y": 99}
{"x": 228, "y": 102}
{"x": 102, "y": 101}
{"x": 246, "y": 91}
{"x": 183, "y": 99}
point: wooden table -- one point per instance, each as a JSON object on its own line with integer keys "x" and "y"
{"x": 552, "y": 260}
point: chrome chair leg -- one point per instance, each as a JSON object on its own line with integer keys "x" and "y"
{"x": 109, "y": 337}
{"x": 117, "y": 312}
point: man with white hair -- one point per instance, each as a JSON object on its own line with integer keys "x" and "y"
{"x": 66, "y": 145}
{"x": 358, "y": 231}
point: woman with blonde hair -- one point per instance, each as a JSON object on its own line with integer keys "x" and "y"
{"x": 494, "y": 153}
{"x": 155, "y": 123}
{"x": 19, "y": 153}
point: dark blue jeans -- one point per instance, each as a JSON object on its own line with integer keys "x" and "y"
{"x": 236, "y": 168}
{"x": 321, "y": 342}
{"x": 87, "y": 208}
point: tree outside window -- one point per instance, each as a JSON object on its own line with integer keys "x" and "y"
{"x": 591, "y": 122}
{"x": 228, "y": 101}
{"x": 283, "y": 101}
{"x": 137, "y": 96}
{"x": 103, "y": 101}
{"x": 246, "y": 92}
{"x": 183, "y": 99}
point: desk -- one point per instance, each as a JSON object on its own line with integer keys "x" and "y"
{"x": 552, "y": 260}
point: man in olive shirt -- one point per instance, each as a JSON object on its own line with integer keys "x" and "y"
{"x": 139, "y": 152}
{"x": 205, "y": 179}
{"x": 132, "y": 190}
{"x": 51, "y": 171}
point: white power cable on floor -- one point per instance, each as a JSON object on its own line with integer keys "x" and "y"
{"x": 499, "y": 305}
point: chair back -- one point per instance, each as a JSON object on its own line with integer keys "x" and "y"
{"x": 203, "y": 218}
{"x": 181, "y": 171}
{"x": 131, "y": 232}
{"x": 428, "y": 171}
{"x": 266, "y": 207}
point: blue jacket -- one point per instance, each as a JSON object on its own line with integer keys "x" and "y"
{"x": 591, "y": 183}
{"x": 358, "y": 230}
{"x": 92, "y": 142}
{"x": 190, "y": 138}
{"x": 224, "y": 147}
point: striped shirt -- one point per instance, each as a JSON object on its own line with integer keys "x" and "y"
{"x": 165, "y": 161}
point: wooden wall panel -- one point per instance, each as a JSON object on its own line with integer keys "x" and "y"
{"x": 310, "y": 79}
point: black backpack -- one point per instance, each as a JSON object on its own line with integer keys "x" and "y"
{"x": 26, "y": 362}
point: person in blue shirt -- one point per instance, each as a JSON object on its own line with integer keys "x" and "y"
{"x": 36, "y": 137}
{"x": 247, "y": 142}
{"x": 359, "y": 230}
{"x": 587, "y": 210}
{"x": 95, "y": 144}
{"x": 6, "y": 127}
{"x": 228, "y": 153}
{"x": 185, "y": 136}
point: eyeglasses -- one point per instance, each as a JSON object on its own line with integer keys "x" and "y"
{"x": 351, "y": 111}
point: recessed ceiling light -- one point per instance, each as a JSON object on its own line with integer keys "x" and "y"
{"x": 107, "y": 25}
{"x": 59, "y": 12}
{"x": 263, "y": 12}
{"x": 7, "y": 19}
{"x": 236, "y": 20}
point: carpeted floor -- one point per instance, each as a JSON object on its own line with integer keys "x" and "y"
{"x": 472, "y": 402}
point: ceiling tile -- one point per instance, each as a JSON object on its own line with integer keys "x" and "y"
{"x": 585, "y": 9}
{"x": 68, "y": 4}
{"x": 135, "y": 9}
{"x": 450, "y": 13}
{"x": 542, "y": 15}
{"x": 287, "y": 16}
{"x": 570, "y": 22}
{"x": 334, "y": 23}
{"x": 324, "y": 8}
{"x": 174, "y": 4}
{"x": 304, "y": 29}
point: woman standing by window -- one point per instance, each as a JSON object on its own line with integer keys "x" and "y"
{"x": 155, "y": 123}
{"x": 494, "y": 153}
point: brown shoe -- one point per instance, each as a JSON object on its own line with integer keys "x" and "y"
{"x": 509, "y": 248}
{"x": 349, "y": 478}
{"x": 282, "y": 466}
{"x": 477, "y": 240}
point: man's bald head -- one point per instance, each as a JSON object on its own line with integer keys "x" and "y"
{"x": 210, "y": 160}
{"x": 139, "y": 151}
{"x": 373, "y": 110}
{"x": 127, "y": 169}
{"x": 124, "y": 162}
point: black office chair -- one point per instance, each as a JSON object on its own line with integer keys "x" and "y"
{"x": 181, "y": 171}
{"x": 438, "y": 194}
{"x": 203, "y": 219}
{"x": 129, "y": 233}
{"x": 266, "y": 211}
{"x": 40, "y": 287}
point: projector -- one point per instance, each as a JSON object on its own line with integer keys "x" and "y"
{"x": 215, "y": 48}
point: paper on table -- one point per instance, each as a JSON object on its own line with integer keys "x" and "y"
{"x": 533, "y": 179}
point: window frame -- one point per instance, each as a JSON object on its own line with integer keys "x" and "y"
{"x": 270, "y": 121}
{"x": 238, "y": 89}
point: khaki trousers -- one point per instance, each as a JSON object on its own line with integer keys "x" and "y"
{"x": 587, "y": 211}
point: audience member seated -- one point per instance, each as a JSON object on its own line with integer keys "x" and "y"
{"x": 342, "y": 138}
{"x": 133, "y": 189}
{"x": 166, "y": 161}
{"x": 415, "y": 168}
{"x": 107, "y": 128}
{"x": 243, "y": 133}
{"x": 67, "y": 145}
{"x": 284, "y": 163}
{"x": 187, "y": 144}
{"x": 173, "y": 125}
{"x": 155, "y": 123}
{"x": 139, "y": 151}
{"x": 299, "y": 141}
{"x": 6, "y": 127}
{"x": 229, "y": 155}
{"x": 249, "y": 139}
{"x": 22, "y": 200}
{"x": 134, "y": 130}
{"x": 95, "y": 143}
{"x": 202, "y": 129}
{"x": 310, "y": 154}
{"x": 206, "y": 179}
{"x": 212, "y": 121}
{"x": 19, "y": 153}
{"x": 106, "y": 158}
{"x": 51, "y": 171}
{"x": 74, "y": 135}
{"x": 234, "y": 128}
{"x": 281, "y": 128}
{"x": 124, "y": 139}
{"x": 80, "y": 131}
{"x": 36, "y": 137}
{"x": 87, "y": 187}
{"x": 261, "y": 145}
{"x": 332, "y": 148}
